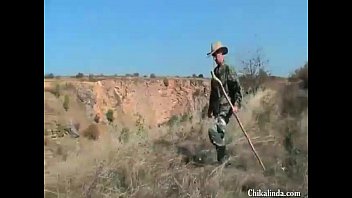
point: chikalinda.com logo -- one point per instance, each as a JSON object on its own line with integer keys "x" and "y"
{"x": 271, "y": 193}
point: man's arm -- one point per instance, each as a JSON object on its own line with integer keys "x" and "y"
{"x": 235, "y": 88}
{"x": 211, "y": 99}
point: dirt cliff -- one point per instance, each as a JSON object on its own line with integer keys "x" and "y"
{"x": 155, "y": 99}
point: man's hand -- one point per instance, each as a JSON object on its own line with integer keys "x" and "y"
{"x": 235, "y": 109}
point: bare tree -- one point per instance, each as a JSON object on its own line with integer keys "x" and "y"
{"x": 254, "y": 70}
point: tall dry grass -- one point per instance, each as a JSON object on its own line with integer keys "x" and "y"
{"x": 142, "y": 162}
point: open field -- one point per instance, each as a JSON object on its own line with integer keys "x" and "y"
{"x": 139, "y": 154}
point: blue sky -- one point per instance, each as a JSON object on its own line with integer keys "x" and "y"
{"x": 168, "y": 37}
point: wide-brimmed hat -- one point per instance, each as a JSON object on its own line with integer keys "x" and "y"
{"x": 216, "y": 46}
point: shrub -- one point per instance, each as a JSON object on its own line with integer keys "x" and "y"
{"x": 49, "y": 76}
{"x": 301, "y": 74}
{"x": 80, "y": 75}
{"x": 172, "y": 120}
{"x": 254, "y": 70}
{"x": 97, "y": 118}
{"x": 152, "y": 76}
{"x": 186, "y": 117}
{"x": 200, "y": 76}
{"x": 136, "y": 74}
{"x": 92, "y": 132}
{"x": 166, "y": 82}
{"x": 66, "y": 102}
{"x": 110, "y": 115}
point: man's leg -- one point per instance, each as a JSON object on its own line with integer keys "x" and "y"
{"x": 217, "y": 137}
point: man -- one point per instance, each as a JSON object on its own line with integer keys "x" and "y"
{"x": 218, "y": 105}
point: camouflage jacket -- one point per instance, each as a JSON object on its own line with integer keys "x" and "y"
{"x": 231, "y": 84}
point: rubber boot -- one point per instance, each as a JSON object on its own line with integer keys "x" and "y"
{"x": 222, "y": 155}
{"x": 220, "y": 150}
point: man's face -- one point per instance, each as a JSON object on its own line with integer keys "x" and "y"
{"x": 218, "y": 57}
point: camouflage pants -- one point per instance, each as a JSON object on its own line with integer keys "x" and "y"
{"x": 217, "y": 135}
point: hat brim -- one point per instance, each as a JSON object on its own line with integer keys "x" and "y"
{"x": 223, "y": 49}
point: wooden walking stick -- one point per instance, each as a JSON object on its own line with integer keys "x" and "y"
{"x": 238, "y": 120}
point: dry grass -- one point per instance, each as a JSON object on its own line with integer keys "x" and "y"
{"x": 141, "y": 162}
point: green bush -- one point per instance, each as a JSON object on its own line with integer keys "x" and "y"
{"x": 186, "y": 117}
{"x": 172, "y": 120}
{"x": 110, "y": 115}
